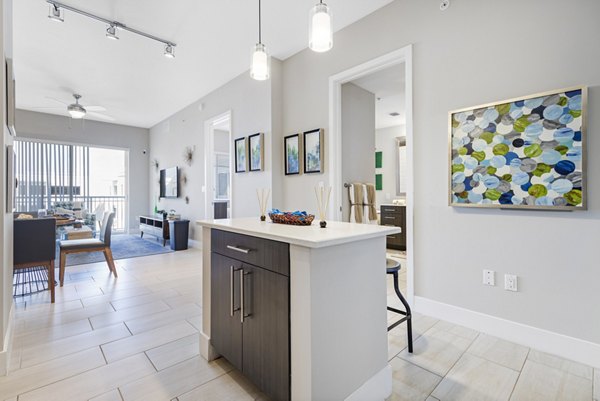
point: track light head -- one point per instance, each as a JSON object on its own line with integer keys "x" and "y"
{"x": 169, "y": 51}
{"x": 55, "y": 13}
{"x": 111, "y": 32}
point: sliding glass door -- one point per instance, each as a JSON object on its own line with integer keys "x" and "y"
{"x": 52, "y": 173}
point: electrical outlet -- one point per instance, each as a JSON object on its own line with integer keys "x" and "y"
{"x": 489, "y": 277}
{"x": 510, "y": 282}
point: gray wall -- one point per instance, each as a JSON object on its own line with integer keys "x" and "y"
{"x": 385, "y": 142}
{"x": 473, "y": 53}
{"x": 6, "y": 219}
{"x": 50, "y": 127}
{"x": 250, "y": 105}
{"x": 358, "y": 132}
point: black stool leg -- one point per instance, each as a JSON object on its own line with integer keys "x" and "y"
{"x": 408, "y": 313}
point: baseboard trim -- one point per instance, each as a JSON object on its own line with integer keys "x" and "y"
{"x": 572, "y": 348}
{"x": 195, "y": 244}
{"x": 8, "y": 342}
{"x": 378, "y": 387}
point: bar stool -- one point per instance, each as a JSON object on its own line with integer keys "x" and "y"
{"x": 393, "y": 267}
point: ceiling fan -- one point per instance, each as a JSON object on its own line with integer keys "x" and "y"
{"x": 79, "y": 111}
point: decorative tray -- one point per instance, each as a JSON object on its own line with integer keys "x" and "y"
{"x": 292, "y": 218}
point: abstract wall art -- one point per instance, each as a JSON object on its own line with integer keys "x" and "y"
{"x": 256, "y": 150}
{"x": 240, "y": 155}
{"x": 313, "y": 151}
{"x": 525, "y": 153}
{"x": 291, "y": 144}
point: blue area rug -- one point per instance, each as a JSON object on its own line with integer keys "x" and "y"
{"x": 123, "y": 246}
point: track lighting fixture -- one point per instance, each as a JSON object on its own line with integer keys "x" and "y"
{"x": 111, "y": 32}
{"x": 261, "y": 67}
{"x": 55, "y": 13}
{"x": 169, "y": 51}
{"x": 320, "y": 29}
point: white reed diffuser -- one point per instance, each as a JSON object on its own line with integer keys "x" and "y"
{"x": 263, "y": 198}
{"x": 323, "y": 195}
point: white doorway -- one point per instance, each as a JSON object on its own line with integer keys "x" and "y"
{"x": 218, "y": 167}
{"x": 335, "y": 142}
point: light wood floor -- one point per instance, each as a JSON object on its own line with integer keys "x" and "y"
{"x": 136, "y": 338}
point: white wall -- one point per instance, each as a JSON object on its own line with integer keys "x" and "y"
{"x": 473, "y": 53}
{"x": 358, "y": 147}
{"x": 385, "y": 142}
{"x": 6, "y": 219}
{"x": 250, "y": 105}
{"x": 49, "y": 127}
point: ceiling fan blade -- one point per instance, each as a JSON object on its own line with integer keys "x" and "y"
{"x": 47, "y": 108}
{"x": 101, "y": 116}
{"x": 57, "y": 100}
{"x": 95, "y": 108}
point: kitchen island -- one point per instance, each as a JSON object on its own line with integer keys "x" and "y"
{"x": 301, "y": 311}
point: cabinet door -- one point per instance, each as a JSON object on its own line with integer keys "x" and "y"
{"x": 225, "y": 330}
{"x": 266, "y": 335}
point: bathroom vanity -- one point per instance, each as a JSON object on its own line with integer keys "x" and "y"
{"x": 300, "y": 311}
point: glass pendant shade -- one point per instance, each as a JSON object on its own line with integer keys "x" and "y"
{"x": 320, "y": 30}
{"x": 77, "y": 113}
{"x": 261, "y": 67}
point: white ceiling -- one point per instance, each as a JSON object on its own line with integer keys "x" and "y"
{"x": 388, "y": 85}
{"x": 130, "y": 77}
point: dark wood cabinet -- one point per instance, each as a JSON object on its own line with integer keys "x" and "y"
{"x": 157, "y": 226}
{"x": 392, "y": 215}
{"x": 225, "y": 303}
{"x": 250, "y": 308}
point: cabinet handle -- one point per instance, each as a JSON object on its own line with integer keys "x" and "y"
{"x": 389, "y": 217}
{"x": 232, "y": 309}
{"x": 238, "y": 249}
{"x": 242, "y": 312}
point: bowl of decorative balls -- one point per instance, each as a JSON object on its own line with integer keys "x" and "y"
{"x": 296, "y": 218}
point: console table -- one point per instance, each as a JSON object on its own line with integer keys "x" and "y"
{"x": 157, "y": 226}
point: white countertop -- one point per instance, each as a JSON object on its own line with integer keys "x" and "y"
{"x": 312, "y": 236}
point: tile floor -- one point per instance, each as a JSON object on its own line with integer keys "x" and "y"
{"x": 136, "y": 338}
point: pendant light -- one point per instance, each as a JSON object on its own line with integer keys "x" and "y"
{"x": 261, "y": 62}
{"x": 320, "y": 31}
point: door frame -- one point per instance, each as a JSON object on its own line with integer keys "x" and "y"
{"x": 334, "y": 142}
{"x": 209, "y": 161}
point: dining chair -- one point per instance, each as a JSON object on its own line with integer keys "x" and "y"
{"x": 34, "y": 245}
{"x": 101, "y": 244}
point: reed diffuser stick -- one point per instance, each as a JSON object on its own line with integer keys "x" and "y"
{"x": 263, "y": 196}
{"x": 323, "y": 195}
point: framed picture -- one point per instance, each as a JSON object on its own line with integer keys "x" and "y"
{"x": 10, "y": 97}
{"x": 256, "y": 149}
{"x": 291, "y": 149}
{"x": 10, "y": 179}
{"x": 240, "y": 155}
{"x": 313, "y": 151}
{"x": 378, "y": 182}
{"x": 525, "y": 153}
{"x": 379, "y": 159}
